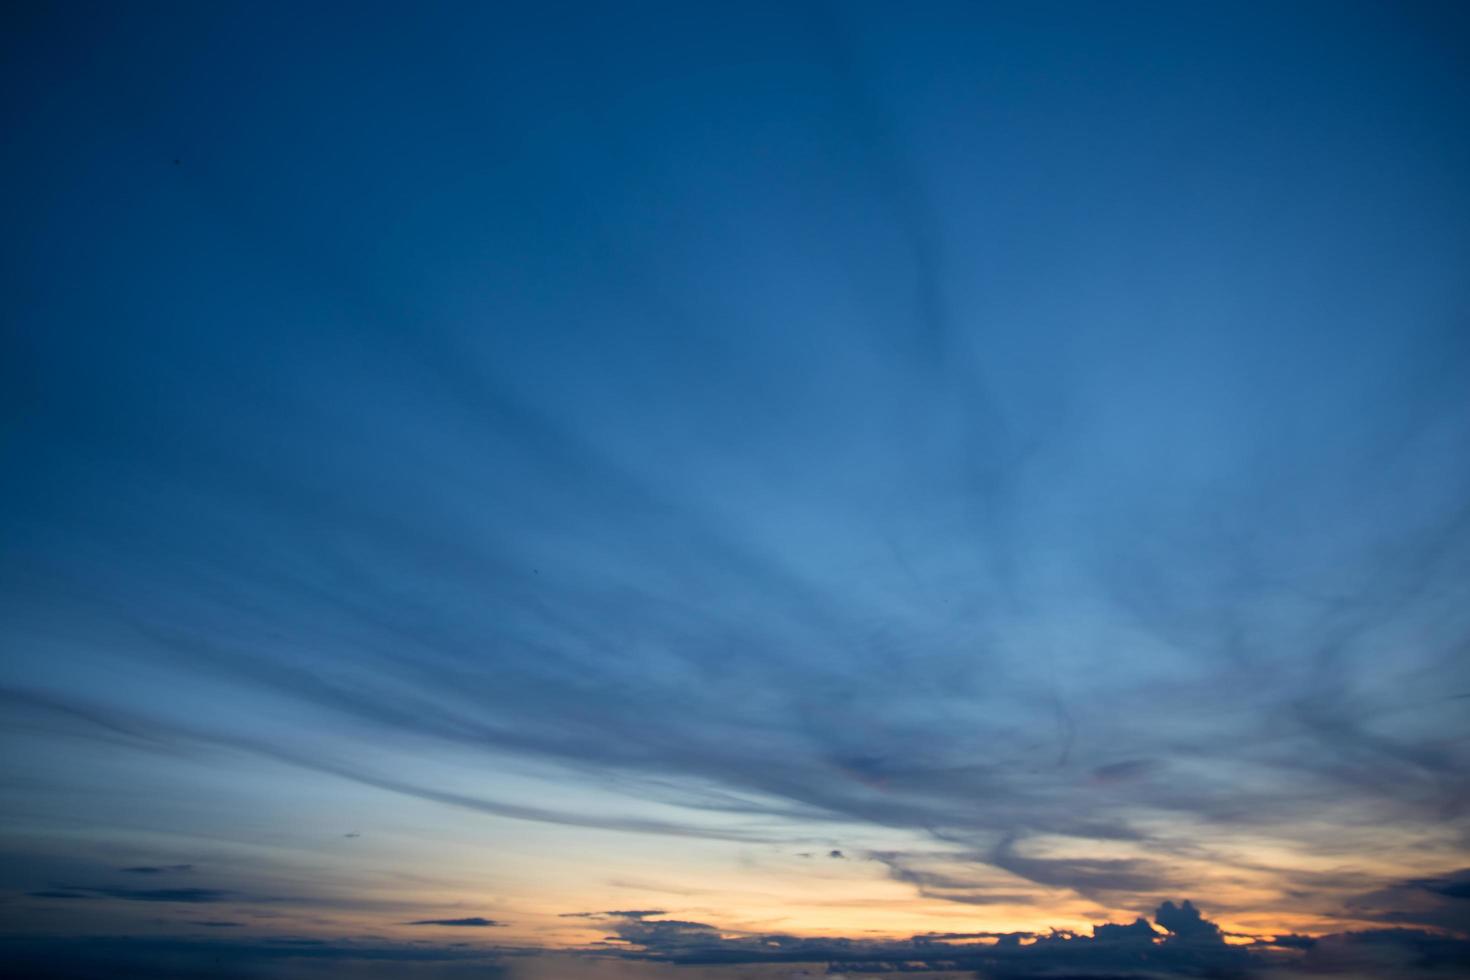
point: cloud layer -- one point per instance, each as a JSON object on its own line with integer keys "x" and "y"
{"x": 1014, "y": 458}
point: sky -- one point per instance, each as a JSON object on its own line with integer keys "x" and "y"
{"x": 735, "y": 491}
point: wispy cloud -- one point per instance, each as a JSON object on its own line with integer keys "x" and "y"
{"x": 992, "y": 510}
{"x": 183, "y": 895}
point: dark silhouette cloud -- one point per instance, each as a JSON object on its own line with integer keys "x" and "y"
{"x": 1387, "y": 953}
{"x": 1135, "y": 951}
{"x": 1441, "y": 902}
{"x": 165, "y": 894}
{"x": 1292, "y": 941}
{"x": 148, "y": 869}
{"x": 183, "y": 895}
{"x": 1459, "y": 887}
{"x": 286, "y": 958}
{"x": 1185, "y": 922}
{"x": 615, "y": 914}
{"x": 1193, "y": 946}
{"x": 1087, "y": 876}
{"x": 472, "y": 922}
{"x": 964, "y": 886}
{"x": 666, "y": 934}
{"x": 1138, "y": 930}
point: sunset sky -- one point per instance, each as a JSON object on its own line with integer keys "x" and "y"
{"x": 663, "y": 491}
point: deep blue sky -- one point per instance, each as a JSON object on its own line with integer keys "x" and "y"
{"x": 602, "y": 454}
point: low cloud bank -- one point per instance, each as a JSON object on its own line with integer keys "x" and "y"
{"x": 1180, "y": 942}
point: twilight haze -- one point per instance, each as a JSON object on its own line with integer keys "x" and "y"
{"x": 701, "y": 491}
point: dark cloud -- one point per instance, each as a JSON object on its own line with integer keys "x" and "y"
{"x": 1086, "y": 876}
{"x": 666, "y": 934}
{"x": 1458, "y": 888}
{"x": 1139, "y": 930}
{"x": 181, "y": 895}
{"x": 180, "y": 958}
{"x": 474, "y": 922}
{"x": 965, "y": 886}
{"x": 1388, "y": 953}
{"x": 1292, "y": 941}
{"x": 1192, "y": 947}
{"x": 636, "y": 913}
{"x": 1455, "y": 884}
{"x": 1118, "y": 951}
{"x": 614, "y": 914}
{"x": 149, "y": 869}
{"x": 1441, "y": 902}
{"x": 190, "y": 895}
{"x": 1185, "y": 922}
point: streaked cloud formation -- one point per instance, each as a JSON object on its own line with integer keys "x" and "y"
{"x": 696, "y": 951}
{"x": 809, "y": 477}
